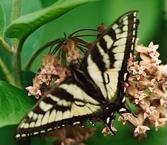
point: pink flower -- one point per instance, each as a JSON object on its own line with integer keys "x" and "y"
{"x": 160, "y": 123}
{"x": 70, "y": 46}
{"x": 34, "y": 91}
{"x": 50, "y": 73}
{"x": 164, "y": 70}
{"x": 140, "y": 130}
{"x": 151, "y": 113}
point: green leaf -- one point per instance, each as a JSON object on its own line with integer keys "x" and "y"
{"x": 27, "y": 77}
{"x": 2, "y": 20}
{"x": 47, "y": 3}
{"x": 37, "y": 140}
{"x": 7, "y": 134}
{"x": 25, "y": 25}
{"x": 14, "y": 104}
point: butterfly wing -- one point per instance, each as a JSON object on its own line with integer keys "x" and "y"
{"x": 67, "y": 104}
{"x": 106, "y": 64}
{"x": 77, "y": 98}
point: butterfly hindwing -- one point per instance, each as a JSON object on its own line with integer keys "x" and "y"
{"x": 66, "y": 105}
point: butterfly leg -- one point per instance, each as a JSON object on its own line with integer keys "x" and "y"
{"x": 107, "y": 119}
{"x": 92, "y": 121}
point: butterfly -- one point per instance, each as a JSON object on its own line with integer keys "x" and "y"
{"x": 95, "y": 87}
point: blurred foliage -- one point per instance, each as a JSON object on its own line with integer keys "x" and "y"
{"x": 2, "y": 20}
{"x": 153, "y": 27}
{"x": 25, "y": 25}
{"x": 15, "y": 99}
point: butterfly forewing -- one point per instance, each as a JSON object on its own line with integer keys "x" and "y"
{"x": 92, "y": 86}
{"x": 107, "y": 62}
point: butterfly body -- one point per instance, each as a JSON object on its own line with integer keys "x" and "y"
{"x": 95, "y": 88}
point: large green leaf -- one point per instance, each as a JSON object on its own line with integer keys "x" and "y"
{"x": 27, "y": 77}
{"x": 14, "y": 104}
{"x": 47, "y": 3}
{"x": 25, "y": 25}
{"x": 2, "y": 20}
{"x": 7, "y": 134}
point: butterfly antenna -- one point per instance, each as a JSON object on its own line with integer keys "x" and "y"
{"x": 85, "y": 35}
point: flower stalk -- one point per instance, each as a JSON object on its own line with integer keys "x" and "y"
{"x": 17, "y": 45}
{"x": 16, "y": 9}
{"x": 5, "y": 45}
{"x": 7, "y": 73}
{"x": 17, "y": 64}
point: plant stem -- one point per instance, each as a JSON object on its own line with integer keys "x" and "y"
{"x": 5, "y": 45}
{"x": 16, "y": 9}
{"x": 7, "y": 73}
{"x": 17, "y": 64}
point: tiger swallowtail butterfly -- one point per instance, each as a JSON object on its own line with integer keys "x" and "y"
{"x": 95, "y": 88}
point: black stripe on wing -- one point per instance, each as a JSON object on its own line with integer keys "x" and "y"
{"x": 62, "y": 94}
{"x": 103, "y": 45}
{"x": 120, "y": 35}
{"x": 85, "y": 83}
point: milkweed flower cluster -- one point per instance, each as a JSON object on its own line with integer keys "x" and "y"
{"x": 147, "y": 90}
{"x": 55, "y": 67}
{"x": 50, "y": 73}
